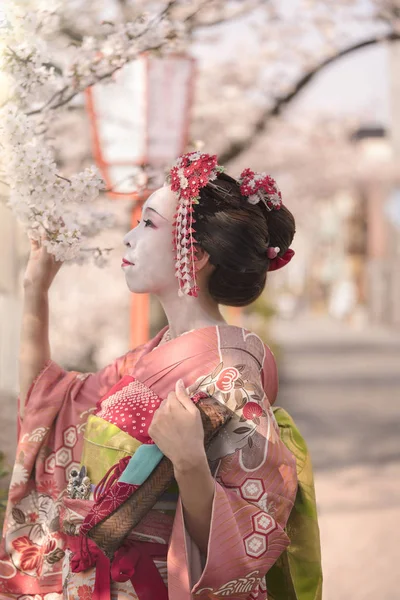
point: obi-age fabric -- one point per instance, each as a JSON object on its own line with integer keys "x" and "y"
{"x": 65, "y": 426}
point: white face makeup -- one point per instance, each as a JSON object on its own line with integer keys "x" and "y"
{"x": 149, "y": 246}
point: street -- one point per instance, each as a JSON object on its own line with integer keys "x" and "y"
{"x": 343, "y": 389}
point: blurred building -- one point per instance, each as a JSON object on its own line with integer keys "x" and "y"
{"x": 379, "y": 211}
{"x": 380, "y": 194}
{"x": 359, "y": 232}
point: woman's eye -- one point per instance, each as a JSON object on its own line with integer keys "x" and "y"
{"x": 147, "y": 222}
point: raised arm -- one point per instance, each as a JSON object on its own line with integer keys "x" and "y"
{"x": 34, "y": 342}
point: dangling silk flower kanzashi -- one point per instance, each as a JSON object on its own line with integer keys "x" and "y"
{"x": 190, "y": 173}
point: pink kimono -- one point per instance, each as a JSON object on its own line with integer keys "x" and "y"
{"x": 255, "y": 475}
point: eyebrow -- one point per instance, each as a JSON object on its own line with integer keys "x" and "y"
{"x": 157, "y": 213}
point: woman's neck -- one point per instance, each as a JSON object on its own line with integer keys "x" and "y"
{"x": 187, "y": 313}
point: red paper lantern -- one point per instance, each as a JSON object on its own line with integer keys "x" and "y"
{"x": 140, "y": 119}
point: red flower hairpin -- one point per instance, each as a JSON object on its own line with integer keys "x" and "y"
{"x": 259, "y": 186}
{"x": 190, "y": 173}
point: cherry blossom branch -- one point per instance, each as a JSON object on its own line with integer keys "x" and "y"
{"x": 235, "y": 149}
{"x": 226, "y": 19}
{"x": 63, "y": 178}
{"x": 47, "y": 65}
{"x": 63, "y": 101}
{"x": 57, "y": 100}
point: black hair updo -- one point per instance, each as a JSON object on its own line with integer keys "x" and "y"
{"x": 237, "y": 235}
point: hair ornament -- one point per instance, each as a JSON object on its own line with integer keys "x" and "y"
{"x": 280, "y": 261}
{"x": 273, "y": 252}
{"x": 190, "y": 173}
{"x": 260, "y": 187}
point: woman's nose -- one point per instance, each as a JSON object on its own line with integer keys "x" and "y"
{"x": 127, "y": 240}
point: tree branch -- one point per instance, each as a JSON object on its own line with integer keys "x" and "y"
{"x": 235, "y": 149}
{"x": 61, "y": 99}
{"x": 73, "y": 34}
{"x": 221, "y": 20}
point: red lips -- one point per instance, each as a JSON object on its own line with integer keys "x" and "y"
{"x": 126, "y": 262}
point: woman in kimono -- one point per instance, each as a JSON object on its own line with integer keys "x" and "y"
{"x": 88, "y": 442}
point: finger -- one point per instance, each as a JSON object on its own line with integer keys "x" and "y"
{"x": 183, "y": 397}
{"x": 35, "y": 244}
{"x": 163, "y": 405}
{"x": 172, "y": 403}
{"x": 171, "y": 395}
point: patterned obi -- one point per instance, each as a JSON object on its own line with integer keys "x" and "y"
{"x": 105, "y": 445}
{"x": 118, "y": 431}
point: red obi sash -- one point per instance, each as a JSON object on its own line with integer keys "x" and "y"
{"x": 133, "y": 561}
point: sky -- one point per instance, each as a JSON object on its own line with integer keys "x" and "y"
{"x": 358, "y": 84}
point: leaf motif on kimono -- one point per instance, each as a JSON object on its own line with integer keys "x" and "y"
{"x": 240, "y": 368}
{"x": 264, "y": 413}
{"x": 242, "y": 430}
{"x": 18, "y": 516}
{"x": 206, "y": 380}
{"x": 240, "y": 399}
{"x": 256, "y": 398}
{"x": 248, "y": 386}
{"x": 45, "y": 506}
{"x": 257, "y": 420}
{"x": 238, "y": 395}
{"x": 250, "y": 442}
{"x": 30, "y": 553}
{"x": 239, "y": 383}
{"x": 217, "y": 370}
{"x": 21, "y": 457}
{"x": 22, "y": 543}
{"x": 37, "y": 534}
{"x": 242, "y": 419}
{"x": 55, "y": 524}
{"x": 55, "y": 556}
{"x": 211, "y": 389}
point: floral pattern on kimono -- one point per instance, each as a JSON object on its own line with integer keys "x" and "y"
{"x": 49, "y": 446}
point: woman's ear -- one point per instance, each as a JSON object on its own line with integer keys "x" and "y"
{"x": 202, "y": 258}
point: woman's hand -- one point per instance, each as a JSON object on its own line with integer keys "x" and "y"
{"x": 177, "y": 430}
{"x": 41, "y": 269}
